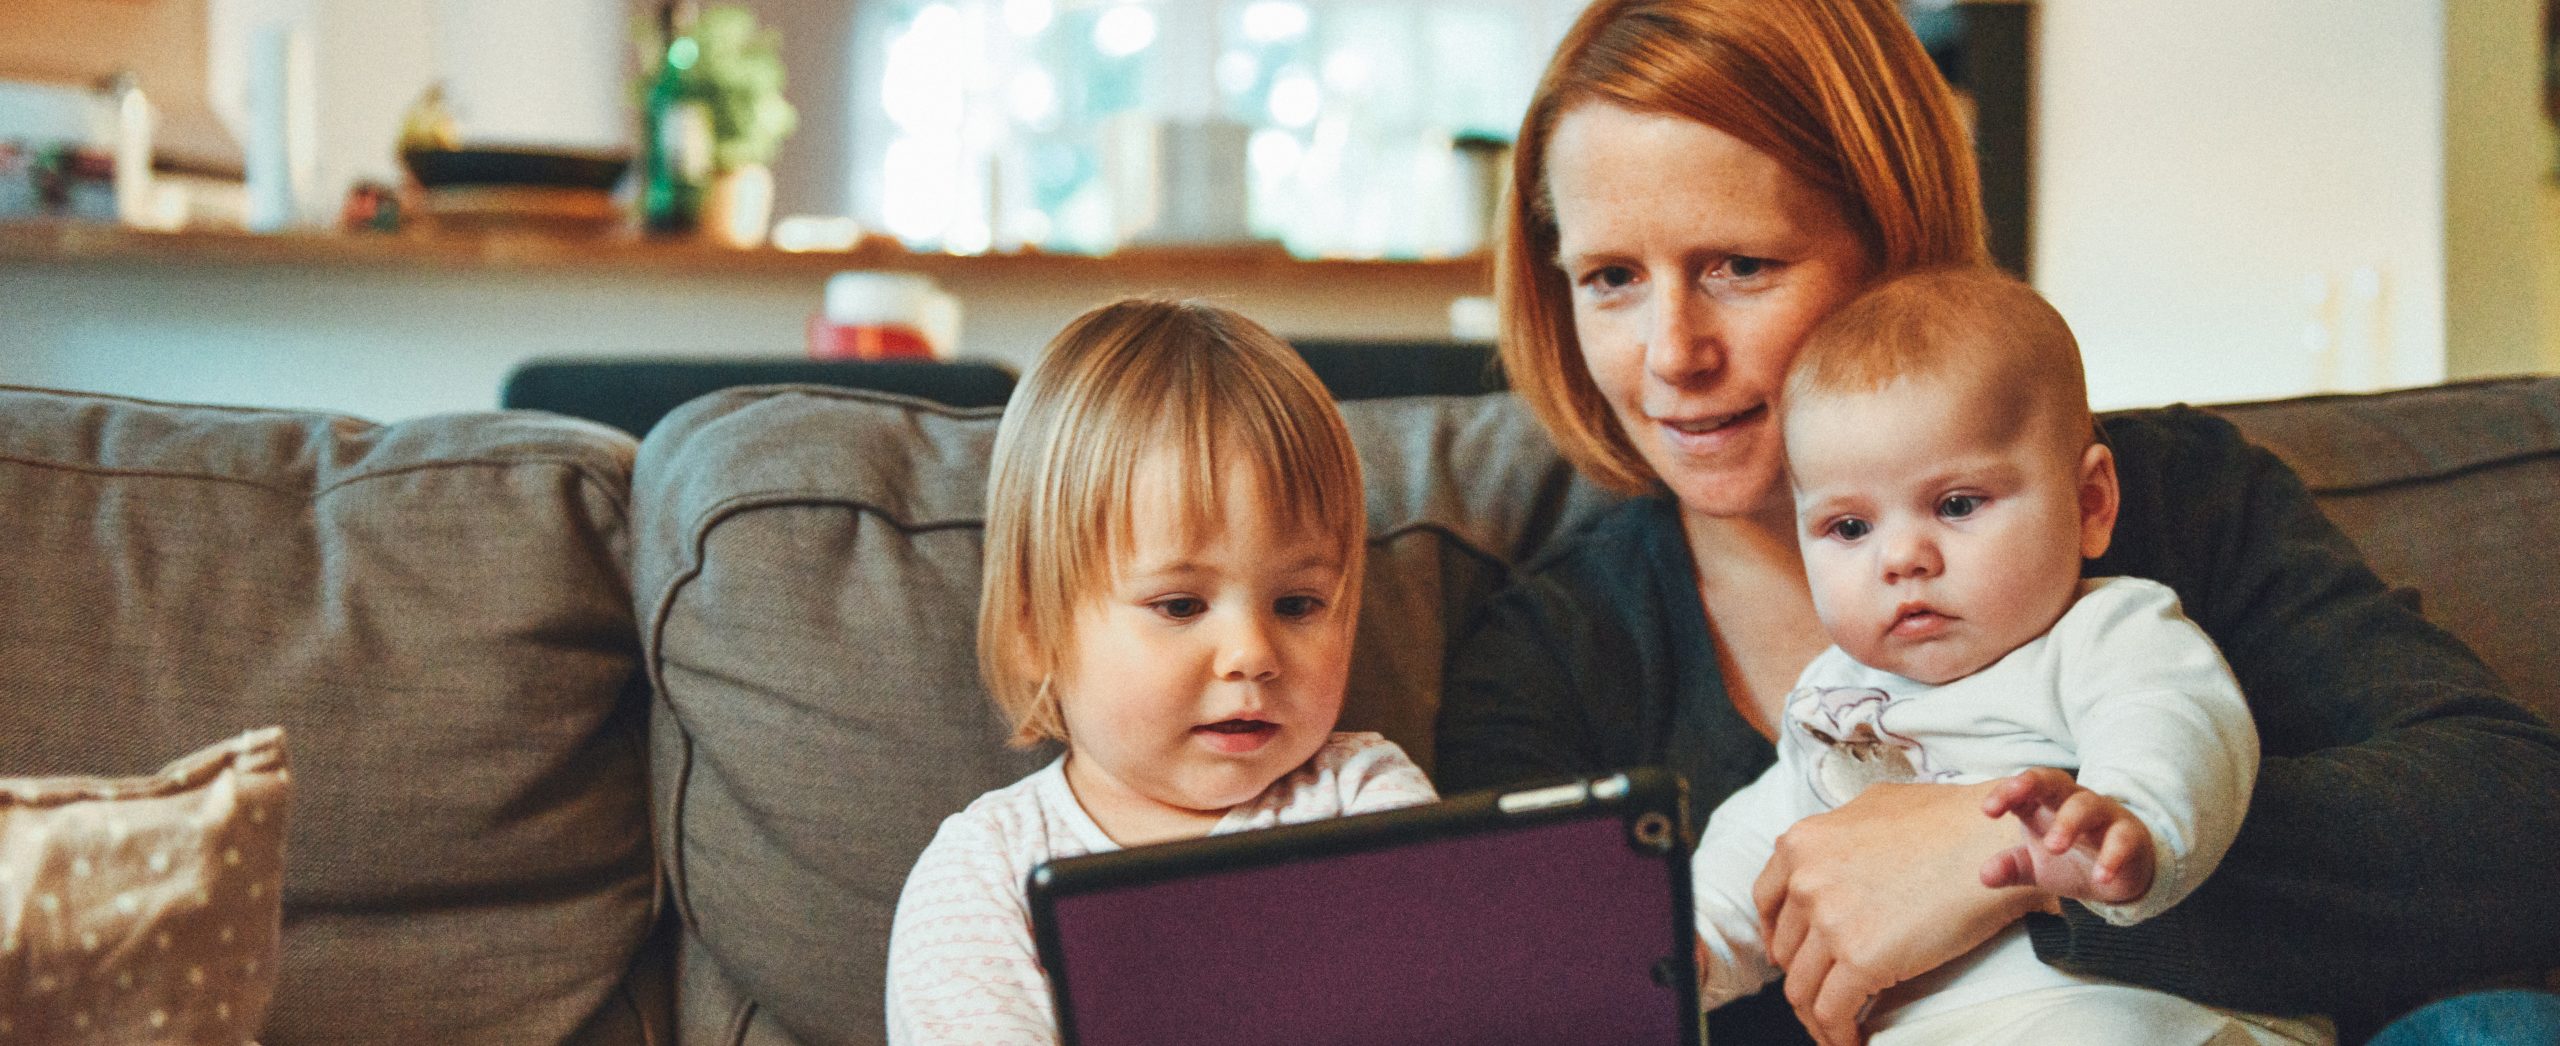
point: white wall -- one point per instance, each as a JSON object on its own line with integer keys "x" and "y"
{"x": 2241, "y": 200}
{"x": 391, "y": 343}
{"x": 2261, "y": 199}
{"x": 2547, "y": 213}
{"x": 552, "y": 73}
{"x": 2494, "y": 165}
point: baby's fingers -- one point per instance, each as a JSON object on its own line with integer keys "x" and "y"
{"x": 2037, "y": 786}
{"x": 2083, "y": 816}
{"x": 2124, "y": 862}
{"x": 2011, "y": 867}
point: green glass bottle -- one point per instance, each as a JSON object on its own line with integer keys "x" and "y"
{"x": 675, "y": 131}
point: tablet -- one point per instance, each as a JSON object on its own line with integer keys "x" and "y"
{"x": 1550, "y": 914}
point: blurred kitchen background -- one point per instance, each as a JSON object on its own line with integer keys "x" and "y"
{"x": 2229, "y": 199}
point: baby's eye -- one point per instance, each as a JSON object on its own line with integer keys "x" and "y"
{"x": 1743, "y": 266}
{"x": 1850, "y": 529}
{"x": 1298, "y": 606}
{"x": 1181, "y": 608}
{"x": 1958, "y": 506}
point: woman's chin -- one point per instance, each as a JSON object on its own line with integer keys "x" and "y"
{"x": 1730, "y": 494}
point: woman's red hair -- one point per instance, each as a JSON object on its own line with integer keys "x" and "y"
{"x": 1837, "y": 91}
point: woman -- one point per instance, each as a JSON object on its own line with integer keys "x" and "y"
{"x": 1696, "y": 184}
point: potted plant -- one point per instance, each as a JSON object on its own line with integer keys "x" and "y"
{"x": 735, "y": 76}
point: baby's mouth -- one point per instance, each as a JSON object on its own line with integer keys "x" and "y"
{"x": 1238, "y": 726}
{"x": 1918, "y": 620}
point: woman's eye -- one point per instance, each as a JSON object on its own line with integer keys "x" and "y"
{"x": 1848, "y": 529}
{"x": 1609, "y": 278}
{"x": 1743, "y": 267}
{"x": 1182, "y": 608}
{"x": 1298, "y": 606}
{"x": 1958, "y": 506}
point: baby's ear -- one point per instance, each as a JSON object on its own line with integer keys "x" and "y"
{"x": 2099, "y": 500}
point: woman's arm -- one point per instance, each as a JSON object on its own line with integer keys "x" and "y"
{"x": 2403, "y": 837}
{"x": 1597, "y": 661}
{"x": 1508, "y": 694}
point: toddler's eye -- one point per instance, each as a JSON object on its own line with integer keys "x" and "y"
{"x": 1182, "y": 608}
{"x": 1743, "y": 267}
{"x": 1958, "y": 506}
{"x": 1298, "y": 606}
{"x": 1848, "y": 529}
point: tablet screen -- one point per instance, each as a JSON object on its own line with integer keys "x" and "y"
{"x": 1464, "y": 922}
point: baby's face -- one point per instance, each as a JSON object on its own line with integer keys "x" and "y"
{"x": 1212, "y": 665}
{"x": 1935, "y": 542}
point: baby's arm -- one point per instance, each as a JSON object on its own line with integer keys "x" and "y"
{"x": 962, "y": 965}
{"x": 1733, "y": 954}
{"x": 2161, "y": 730}
{"x": 2080, "y": 844}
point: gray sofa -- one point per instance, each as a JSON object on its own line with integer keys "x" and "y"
{"x": 608, "y": 743}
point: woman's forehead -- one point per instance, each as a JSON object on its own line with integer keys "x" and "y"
{"x": 1613, "y": 172}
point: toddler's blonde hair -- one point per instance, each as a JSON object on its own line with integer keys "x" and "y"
{"x": 1122, "y": 388}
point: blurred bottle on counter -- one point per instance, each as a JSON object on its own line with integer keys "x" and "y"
{"x": 675, "y": 130}
{"x": 133, "y": 149}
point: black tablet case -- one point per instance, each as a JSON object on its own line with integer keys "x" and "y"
{"x": 1552, "y": 915}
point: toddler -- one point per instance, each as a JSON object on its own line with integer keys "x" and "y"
{"x": 1948, "y": 483}
{"x": 1173, "y": 555}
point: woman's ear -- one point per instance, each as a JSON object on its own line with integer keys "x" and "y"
{"x": 2099, "y": 500}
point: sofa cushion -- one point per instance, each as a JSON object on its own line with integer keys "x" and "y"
{"x": 144, "y": 909}
{"x": 436, "y": 611}
{"x": 807, "y": 578}
{"x": 2450, "y": 491}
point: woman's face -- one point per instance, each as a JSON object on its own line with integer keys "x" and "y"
{"x": 1698, "y": 265}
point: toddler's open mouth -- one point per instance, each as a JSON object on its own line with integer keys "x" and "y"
{"x": 1235, "y": 736}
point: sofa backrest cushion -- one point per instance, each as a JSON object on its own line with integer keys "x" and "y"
{"x": 807, "y": 581}
{"x": 2452, "y": 491}
{"x": 437, "y": 614}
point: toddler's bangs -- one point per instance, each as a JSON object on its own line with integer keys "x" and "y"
{"x": 1186, "y": 392}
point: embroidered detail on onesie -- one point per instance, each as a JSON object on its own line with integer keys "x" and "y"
{"x": 1844, "y": 739}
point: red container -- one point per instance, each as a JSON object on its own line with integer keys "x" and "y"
{"x": 865, "y": 341}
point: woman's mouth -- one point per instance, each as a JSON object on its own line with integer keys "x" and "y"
{"x": 1707, "y": 432}
{"x": 1236, "y": 736}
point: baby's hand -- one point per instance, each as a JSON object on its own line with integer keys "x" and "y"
{"x": 2080, "y": 844}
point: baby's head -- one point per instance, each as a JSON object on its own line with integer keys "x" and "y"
{"x": 1948, "y": 479}
{"x": 1174, "y": 544}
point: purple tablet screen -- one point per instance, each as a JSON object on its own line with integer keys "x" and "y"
{"x": 1544, "y": 933}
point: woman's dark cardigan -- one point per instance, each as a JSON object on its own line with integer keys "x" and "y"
{"x": 2405, "y": 832}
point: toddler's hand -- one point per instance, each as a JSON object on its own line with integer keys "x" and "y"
{"x": 2079, "y": 844}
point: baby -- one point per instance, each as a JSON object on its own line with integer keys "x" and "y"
{"x": 1174, "y": 542}
{"x": 1948, "y": 484}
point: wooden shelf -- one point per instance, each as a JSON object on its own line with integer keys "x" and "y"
{"x": 63, "y": 242}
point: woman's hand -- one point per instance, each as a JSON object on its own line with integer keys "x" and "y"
{"x": 1879, "y": 891}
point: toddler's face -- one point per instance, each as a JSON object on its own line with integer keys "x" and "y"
{"x": 1209, "y": 668}
{"x": 1935, "y": 544}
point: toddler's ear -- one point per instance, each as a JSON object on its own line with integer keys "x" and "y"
{"x": 2099, "y": 500}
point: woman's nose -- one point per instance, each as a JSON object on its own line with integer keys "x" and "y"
{"x": 1245, "y": 653}
{"x": 1681, "y": 337}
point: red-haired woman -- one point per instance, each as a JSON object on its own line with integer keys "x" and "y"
{"x": 1697, "y": 183}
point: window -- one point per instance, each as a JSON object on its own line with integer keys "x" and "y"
{"x": 1334, "y": 127}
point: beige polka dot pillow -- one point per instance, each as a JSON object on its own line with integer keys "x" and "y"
{"x": 144, "y": 909}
